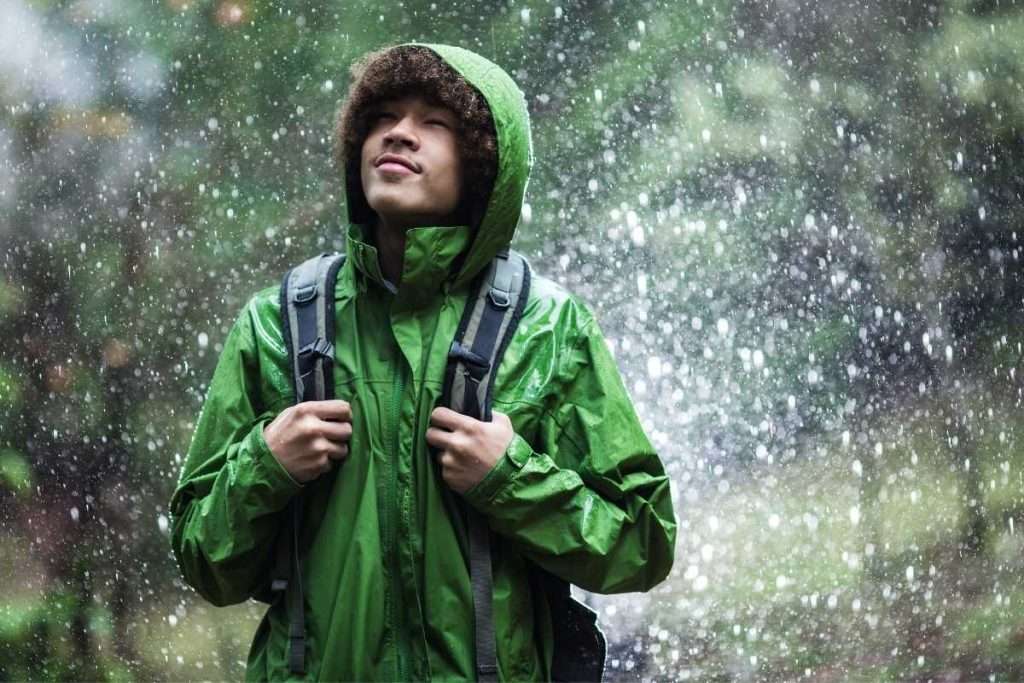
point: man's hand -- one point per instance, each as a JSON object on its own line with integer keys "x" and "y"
{"x": 309, "y": 437}
{"x": 468, "y": 448}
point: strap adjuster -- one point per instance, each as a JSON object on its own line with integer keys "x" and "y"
{"x": 499, "y": 298}
{"x": 318, "y": 347}
{"x": 477, "y": 365}
{"x": 304, "y": 295}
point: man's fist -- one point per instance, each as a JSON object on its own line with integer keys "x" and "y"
{"x": 308, "y": 437}
{"x": 468, "y": 448}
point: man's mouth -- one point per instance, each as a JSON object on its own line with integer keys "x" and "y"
{"x": 393, "y": 163}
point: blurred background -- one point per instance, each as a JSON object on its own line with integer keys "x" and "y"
{"x": 799, "y": 222}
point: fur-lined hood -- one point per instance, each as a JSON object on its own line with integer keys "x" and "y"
{"x": 432, "y": 253}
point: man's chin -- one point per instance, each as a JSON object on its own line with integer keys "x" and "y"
{"x": 394, "y": 209}
{"x": 403, "y": 217}
{"x": 399, "y": 221}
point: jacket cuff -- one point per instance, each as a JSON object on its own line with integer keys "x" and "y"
{"x": 268, "y": 469}
{"x": 501, "y": 475}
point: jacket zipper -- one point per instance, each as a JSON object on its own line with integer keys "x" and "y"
{"x": 398, "y": 388}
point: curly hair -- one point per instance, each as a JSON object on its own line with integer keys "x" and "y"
{"x": 414, "y": 70}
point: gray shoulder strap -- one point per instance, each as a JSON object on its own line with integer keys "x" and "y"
{"x": 488, "y": 323}
{"x": 307, "y": 323}
{"x": 490, "y": 318}
{"x": 307, "y": 310}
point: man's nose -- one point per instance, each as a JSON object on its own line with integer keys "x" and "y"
{"x": 403, "y": 132}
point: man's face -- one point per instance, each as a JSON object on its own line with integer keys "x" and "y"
{"x": 410, "y": 167}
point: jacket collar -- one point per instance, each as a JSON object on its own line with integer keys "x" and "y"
{"x": 431, "y": 254}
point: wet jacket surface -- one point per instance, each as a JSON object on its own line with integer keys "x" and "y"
{"x": 579, "y": 491}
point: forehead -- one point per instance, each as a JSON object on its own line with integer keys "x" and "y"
{"x": 417, "y": 103}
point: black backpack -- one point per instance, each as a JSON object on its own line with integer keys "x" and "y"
{"x": 487, "y": 325}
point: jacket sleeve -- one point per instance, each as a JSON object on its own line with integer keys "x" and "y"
{"x": 231, "y": 487}
{"x": 593, "y": 506}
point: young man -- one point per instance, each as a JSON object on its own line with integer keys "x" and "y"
{"x": 435, "y": 146}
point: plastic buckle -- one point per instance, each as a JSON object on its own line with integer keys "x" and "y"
{"x": 278, "y": 585}
{"x": 499, "y": 298}
{"x": 318, "y": 347}
{"x": 304, "y": 295}
{"x": 468, "y": 358}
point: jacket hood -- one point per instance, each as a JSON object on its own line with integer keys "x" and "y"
{"x": 433, "y": 252}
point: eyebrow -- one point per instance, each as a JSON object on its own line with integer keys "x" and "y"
{"x": 430, "y": 109}
{"x": 440, "y": 109}
{"x": 447, "y": 115}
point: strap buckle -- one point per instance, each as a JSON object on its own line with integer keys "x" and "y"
{"x": 318, "y": 347}
{"x": 477, "y": 365}
{"x": 499, "y": 298}
{"x": 304, "y": 295}
{"x": 461, "y": 353}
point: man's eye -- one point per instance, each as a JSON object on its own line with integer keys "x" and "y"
{"x": 438, "y": 122}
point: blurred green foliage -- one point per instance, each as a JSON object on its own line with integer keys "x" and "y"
{"x": 15, "y": 473}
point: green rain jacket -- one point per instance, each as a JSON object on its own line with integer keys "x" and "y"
{"x": 579, "y": 491}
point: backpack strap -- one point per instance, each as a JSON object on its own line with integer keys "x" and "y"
{"x": 488, "y": 323}
{"x": 484, "y": 333}
{"x": 307, "y": 321}
{"x": 308, "y": 327}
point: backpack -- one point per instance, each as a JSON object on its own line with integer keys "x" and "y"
{"x": 485, "y": 330}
